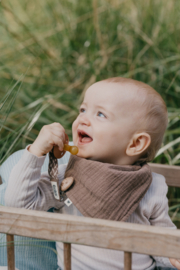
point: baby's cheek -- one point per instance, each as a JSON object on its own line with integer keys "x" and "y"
{"x": 74, "y": 129}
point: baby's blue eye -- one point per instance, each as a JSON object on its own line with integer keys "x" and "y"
{"x": 100, "y": 114}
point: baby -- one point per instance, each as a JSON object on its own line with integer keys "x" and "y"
{"x": 121, "y": 122}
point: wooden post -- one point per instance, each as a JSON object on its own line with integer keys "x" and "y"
{"x": 67, "y": 256}
{"x": 10, "y": 252}
{"x": 127, "y": 260}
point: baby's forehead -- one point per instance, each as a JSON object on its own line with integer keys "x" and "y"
{"x": 113, "y": 86}
{"x": 123, "y": 98}
{"x": 113, "y": 93}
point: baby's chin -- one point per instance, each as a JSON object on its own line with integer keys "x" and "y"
{"x": 89, "y": 157}
{"x": 84, "y": 154}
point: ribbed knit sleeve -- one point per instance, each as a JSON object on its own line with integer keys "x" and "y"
{"x": 159, "y": 216}
{"x": 159, "y": 203}
{"x": 28, "y": 188}
{"x": 153, "y": 210}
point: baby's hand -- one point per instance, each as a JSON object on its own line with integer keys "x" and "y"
{"x": 49, "y": 136}
{"x": 175, "y": 263}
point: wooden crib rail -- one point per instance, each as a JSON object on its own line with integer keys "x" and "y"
{"x": 69, "y": 229}
{"x": 155, "y": 241}
{"x": 171, "y": 173}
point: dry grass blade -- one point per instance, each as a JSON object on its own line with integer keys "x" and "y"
{"x": 167, "y": 146}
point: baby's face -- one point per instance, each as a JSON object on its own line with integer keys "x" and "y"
{"x": 105, "y": 123}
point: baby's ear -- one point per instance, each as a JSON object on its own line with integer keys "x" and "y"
{"x": 138, "y": 144}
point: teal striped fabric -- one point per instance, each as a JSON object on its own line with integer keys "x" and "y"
{"x": 30, "y": 253}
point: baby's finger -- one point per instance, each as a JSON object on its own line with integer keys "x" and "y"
{"x": 57, "y": 130}
{"x": 59, "y": 133}
{"x": 56, "y": 140}
{"x": 57, "y": 125}
{"x": 175, "y": 263}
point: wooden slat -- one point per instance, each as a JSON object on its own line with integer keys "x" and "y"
{"x": 127, "y": 260}
{"x": 67, "y": 256}
{"x": 125, "y": 236}
{"x": 10, "y": 252}
{"x": 171, "y": 173}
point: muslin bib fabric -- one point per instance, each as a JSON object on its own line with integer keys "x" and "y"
{"x": 103, "y": 190}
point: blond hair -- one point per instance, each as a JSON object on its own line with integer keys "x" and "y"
{"x": 155, "y": 118}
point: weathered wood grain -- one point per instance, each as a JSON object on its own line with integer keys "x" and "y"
{"x": 93, "y": 232}
{"x": 171, "y": 173}
{"x": 67, "y": 256}
{"x": 10, "y": 252}
{"x": 127, "y": 260}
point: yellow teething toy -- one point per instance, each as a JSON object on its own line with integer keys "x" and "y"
{"x": 72, "y": 149}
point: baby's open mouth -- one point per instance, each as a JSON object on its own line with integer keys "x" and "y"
{"x": 84, "y": 137}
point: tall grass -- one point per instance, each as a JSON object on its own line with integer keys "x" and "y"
{"x": 62, "y": 47}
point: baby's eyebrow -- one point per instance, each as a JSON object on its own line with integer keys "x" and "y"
{"x": 83, "y": 103}
{"x": 101, "y": 107}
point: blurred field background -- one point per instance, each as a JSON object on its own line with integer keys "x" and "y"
{"x": 51, "y": 51}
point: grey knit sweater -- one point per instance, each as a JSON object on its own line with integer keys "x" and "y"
{"x": 28, "y": 188}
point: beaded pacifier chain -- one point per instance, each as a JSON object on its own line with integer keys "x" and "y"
{"x": 59, "y": 192}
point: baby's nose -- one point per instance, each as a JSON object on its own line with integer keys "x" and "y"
{"x": 84, "y": 120}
